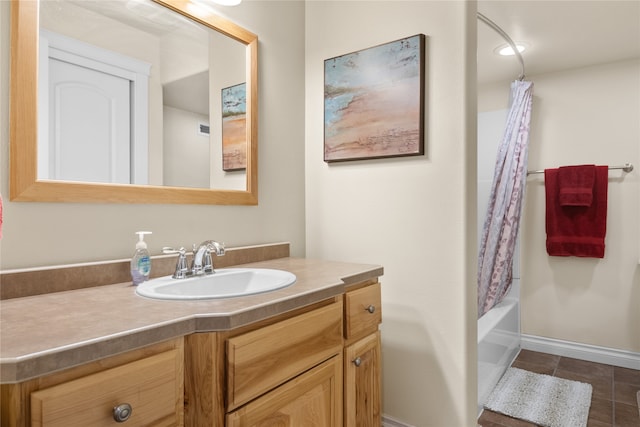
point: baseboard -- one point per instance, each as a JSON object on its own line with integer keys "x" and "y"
{"x": 390, "y": 422}
{"x": 592, "y": 353}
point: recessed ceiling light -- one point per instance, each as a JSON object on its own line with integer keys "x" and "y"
{"x": 506, "y": 50}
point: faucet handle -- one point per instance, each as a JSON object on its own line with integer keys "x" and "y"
{"x": 181, "y": 266}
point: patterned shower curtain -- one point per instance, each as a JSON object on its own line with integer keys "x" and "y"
{"x": 502, "y": 222}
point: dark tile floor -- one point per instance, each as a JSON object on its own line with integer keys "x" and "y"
{"x": 614, "y": 400}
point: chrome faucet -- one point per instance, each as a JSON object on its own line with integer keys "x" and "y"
{"x": 202, "y": 262}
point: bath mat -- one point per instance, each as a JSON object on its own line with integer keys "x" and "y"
{"x": 541, "y": 399}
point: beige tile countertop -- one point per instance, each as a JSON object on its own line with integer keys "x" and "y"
{"x": 46, "y": 333}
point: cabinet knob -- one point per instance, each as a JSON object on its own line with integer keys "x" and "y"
{"x": 122, "y": 412}
{"x": 371, "y": 309}
{"x": 357, "y": 361}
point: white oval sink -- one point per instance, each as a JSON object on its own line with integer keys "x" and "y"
{"x": 224, "y": 283}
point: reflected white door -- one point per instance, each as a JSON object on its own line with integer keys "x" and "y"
{"x": 89, "y": 124}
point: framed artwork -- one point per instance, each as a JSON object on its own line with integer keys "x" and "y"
{"x": 234, "y": 120}
{"x": 374, "y": 102}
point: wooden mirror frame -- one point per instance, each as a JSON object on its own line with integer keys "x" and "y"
{"x": 24, "y": 184}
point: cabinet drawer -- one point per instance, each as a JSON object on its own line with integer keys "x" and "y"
{"x": 153, "y": 387}
{"x": 363, "y": 311}
{"x": 263, "y": 359}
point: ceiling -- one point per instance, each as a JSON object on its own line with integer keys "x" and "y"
{"x": 562, "y": 35}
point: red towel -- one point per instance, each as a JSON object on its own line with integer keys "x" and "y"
{"x": 575, "y": 185}
{"x": 576, "y": 230}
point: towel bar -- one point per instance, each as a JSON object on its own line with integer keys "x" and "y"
{"x": 627, "y": 167}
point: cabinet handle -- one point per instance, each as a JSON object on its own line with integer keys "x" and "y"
{"x": 371, "y": 309}
{"x": 357, "y": 361}
{"x": 122, "y": 412}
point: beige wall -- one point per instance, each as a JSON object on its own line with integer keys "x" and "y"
{"x": 588, "y": 115}
{"x": 415, "y": 216}
{"x": 186, "y": 152}
{"x": 37, "y": 234}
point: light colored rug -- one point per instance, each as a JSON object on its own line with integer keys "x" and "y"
{"x": 541, "y": 399}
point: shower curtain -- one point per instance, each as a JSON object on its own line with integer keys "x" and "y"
{"x": 501, "y": 225}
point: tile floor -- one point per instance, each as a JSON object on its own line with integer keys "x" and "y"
{"x": 614, "y": 400}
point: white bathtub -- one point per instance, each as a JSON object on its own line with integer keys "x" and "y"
{"x": 498, "y": 344}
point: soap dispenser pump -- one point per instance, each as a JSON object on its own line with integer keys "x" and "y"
{"x": 141, "y": 262}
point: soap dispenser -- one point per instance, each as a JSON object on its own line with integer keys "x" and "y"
{"x": 141, "y": 262}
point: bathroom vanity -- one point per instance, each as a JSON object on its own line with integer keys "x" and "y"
{"x": 308, "y": 354}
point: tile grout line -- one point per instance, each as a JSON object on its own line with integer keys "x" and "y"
{"x": 613, "y": 397}
{"x": 555, "y": 368}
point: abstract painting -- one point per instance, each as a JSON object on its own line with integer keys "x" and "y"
{"x": 374, "y": 102}
{"x": 234, "y": 127}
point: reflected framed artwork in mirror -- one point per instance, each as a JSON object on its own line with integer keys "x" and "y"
{"x": 234, "y": 117}
{"x": 141, "y": 136}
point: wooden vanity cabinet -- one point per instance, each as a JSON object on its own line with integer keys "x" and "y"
{"x": 362, "y": 356}
{"x": 142, "y": 388}
{"x": 316, "y": 366}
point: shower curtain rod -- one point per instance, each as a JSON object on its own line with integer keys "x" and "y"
{"x": 627, "y": 167}
{"x": 505, "y": 36}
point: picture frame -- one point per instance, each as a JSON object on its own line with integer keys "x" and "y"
{"x": 374, "y": 102}
{"x": 234, "y": 120}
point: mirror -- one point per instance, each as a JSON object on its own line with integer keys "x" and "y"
{"x": 156, "y": 169}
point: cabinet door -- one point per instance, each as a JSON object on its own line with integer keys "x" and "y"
{"x": 362, "y": 382}
{"x": 313, "y": 399}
